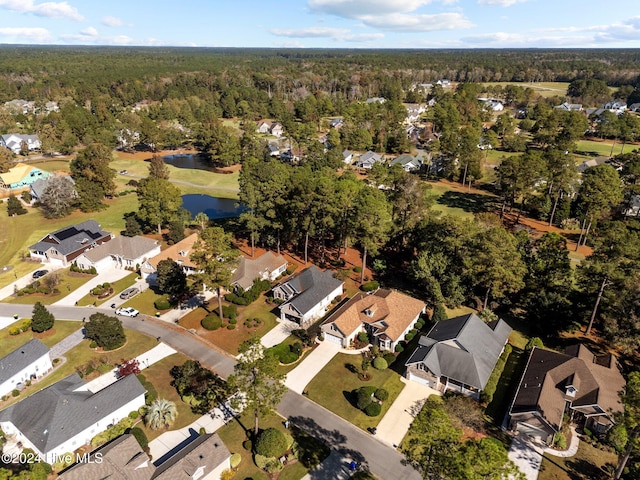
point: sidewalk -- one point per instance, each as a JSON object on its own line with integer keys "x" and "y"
{"x": 172, "y": 316}
{"x": 145, "y": 360}
{"x": 394, "y": 425}
{"x": 299, "y": 377}
{"x": 569, "y": 452}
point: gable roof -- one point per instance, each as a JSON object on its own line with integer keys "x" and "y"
{"x": 405, "y": 160}
{"x": 463, "y": 348}
{"x": 596, "y": 380}
{"x": 66, "y": 408}
{"x": 179, "y": 252}
{"x": 72, "y": 238}
{"x": 126, "y": 247}
{"x": 311, "y": 286}
{"x": 207, "y": 451}
{"x": 370, "y": 157}
{"x": 252, "y": 268}
{"x": 21, "y": 358}
{"x": 40, "y": 185}
{"x": 122, "y": 459}
{"x": 389, "y": 312}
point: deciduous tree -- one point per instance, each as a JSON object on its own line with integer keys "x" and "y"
{"x": 106, "y": 331}
{"x": 58, "y": 198}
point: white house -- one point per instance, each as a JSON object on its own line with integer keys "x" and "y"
{"x": 307, "y": 295}
{"x": 66, "y": 415}
{"x": 408, "y": 162}
{"x": 347, "y": 157}
{"x": 121, "y": 252}
{"x": 28, "y": 362}
{"x": 15, "y": 141}
{"x": 367, "y": 160}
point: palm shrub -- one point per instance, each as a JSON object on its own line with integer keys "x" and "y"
{"x": 161, "y": 414}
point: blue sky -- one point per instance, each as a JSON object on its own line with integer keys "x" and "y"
{"x": 324, "y": 23}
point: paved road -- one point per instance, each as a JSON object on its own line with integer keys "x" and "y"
{"x": 347, "y": 439}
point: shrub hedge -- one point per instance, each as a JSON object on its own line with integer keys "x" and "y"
{"x": 380, "y": 363}
{"x": 271, "y": 443}
{"x": 211, "y": 322}
{"x": 490, "y": 388}
{"x": 370, "y": 286}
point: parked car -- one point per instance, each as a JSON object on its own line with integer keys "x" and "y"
{"x": 129, "y": 292}
{"x": 123, "y": 172}
{"x": 127, "y": 312}
{"x": 39, "y": 273}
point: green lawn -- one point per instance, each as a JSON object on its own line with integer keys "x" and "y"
{"x": 332, "y": 388}
{"x": 117, "y": 286}
{"x": 544, "y": 89}
{"x": 507, "y": 385}
{"x": 585, "y": 465}
{"x": 144, "y": 302}
{"x": 158, "y": 375}
{"x": 235, "y": 432}
{"x": 591, "y": 148}
{"x": 450, "y": 200}
{"x": 69, "y": 281}
{"x": 290, "y": 340}
{"x": 61, "y": 329}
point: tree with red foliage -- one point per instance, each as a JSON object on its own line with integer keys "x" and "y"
{"x": 129, "y": 367}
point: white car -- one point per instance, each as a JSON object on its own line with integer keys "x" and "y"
{"x": 127, "y": 312}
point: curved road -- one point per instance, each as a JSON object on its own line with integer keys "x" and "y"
{"x": 348, "y": 440}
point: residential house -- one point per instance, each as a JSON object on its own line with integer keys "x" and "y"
{"x": 205, "y": 458}
{"x": 492, "y": 104}
{"x": 277, "y": 129}
{"x": 367, "y": 160}
{"x": 272, "y": 128}
{"x": 408, "y": 162}
{"x": 16, "y": 142}
{"x": 66, "y": 415}
{"x": 121, "y": 252}
{"x": 306, "y": 296}
{"x": 569, "y": 107}
{"x": 63, "y": 246}
{"x": 444, "y": 83}
{"x": 385, "y": 315}
{"x": 18, "y": 106}
{"x": 274, "y": 149}
{"x": 336, "y": 123}
{"x": 576, "y": 383}
{"x": 268, "y": 266}
{"x": 28, "y": 362}
{"x": 41, "y": 184}
{"x": 178, "y": 252}
{"x": 633, "y": 207}
{"x": 376, "y": 100}
{"x": 592, "y": 163}
{"x": 458, "y": 354}
{"x": 21, "y": 176}
{"x": 414, "y": 111}
{"x": 347, "y": 157}
{"x": 634, "y": 107}
{"x": 616, "y": 107}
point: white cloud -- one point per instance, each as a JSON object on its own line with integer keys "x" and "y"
{"x": 110, "y": 21}
{"x": 90, "y": 32}
{"x": 500, "y": 3}
{"x": 25, "y": 34}
{"x": 418, "y": 23}
{"x": 358, "y": 8}
{"x": 338, "y": 34}
{"x": 46, "y": 9}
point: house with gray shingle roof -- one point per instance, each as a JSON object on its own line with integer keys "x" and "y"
{"x": 206, "y": 457}
{"x": 28, "y": 362}
{"x": 121, "y": 252}
{"x": 458, "y": 354}
{"x": 41, "y": 184}
{"x": 267, "y": 266}
{"x": 66, "y": 415}
{"x": 63, "y": 246}
{"x": 408, "y": 162}
{"x": 307, "y": 295}
{"x": 367, "y": 160}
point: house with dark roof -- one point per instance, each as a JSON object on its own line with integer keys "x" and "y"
{"x": 204, "y": 458}
{"x": 306, "y": 296}
{"x": 577, "y": 383}
{"x": 66, "y": 415}
{"x": 458, "y": 354}
{"x": 385, "y": 315}
{"x": 178, "y": 252}
{"x": 63, "y": 246}
{"x": 268, "y": 266}
{"x": 41, "y": 184}
{"x": 28, "y": 362}
{"x": 409, "y": 163}
{"x": 120, "y": 252}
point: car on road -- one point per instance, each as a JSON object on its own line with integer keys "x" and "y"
{"x": 123, "y": 172}
{"x": 127, "y": 312}
{"x": 129, "y": 292}
{"x": 39, "y": 273}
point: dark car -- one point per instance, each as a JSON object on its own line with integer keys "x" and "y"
{"x": 39, "y": 273}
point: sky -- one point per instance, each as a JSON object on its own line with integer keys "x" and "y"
{"x": 325, "y": 23}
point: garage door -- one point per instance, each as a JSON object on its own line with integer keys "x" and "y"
{"x": 417, "y": 379}
{"x": 531, "y": 431}
{"x": 332, "y": 339}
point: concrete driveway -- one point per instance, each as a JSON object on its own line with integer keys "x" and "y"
{"x": 299, "y": 377}
{"x": 526, "y": 455}
{"x": 110, "y": 275}
{"x": 394, "y": 425}
{"x": 278, "y": 333}
{"x": 27, "y": 279}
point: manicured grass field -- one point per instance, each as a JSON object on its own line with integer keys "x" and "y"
{"x": 144, "y": 302}
{"x": 585, "y": 465}
{"x": 158, "y": 375}
{"x": 235, "y": 432}
{"x": 61, "y": 329}
{"x": 596, "y": 148}
{"x": 544, "y": 89}
{"x": 69, "y": 281}
{"x": 118, "y": 286}
{"x": 457, "y": 201}
{"x": 332, "y": 388}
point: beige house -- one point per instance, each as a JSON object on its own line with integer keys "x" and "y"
{"x": 121, "y": 252}
{"x": 179, "y": 252}
{"x": 268, "y": 266}
{"x": 386, "y": 316}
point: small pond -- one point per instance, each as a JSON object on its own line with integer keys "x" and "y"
{"x": 189, "y": 160}
{"x": 214, "y": 207}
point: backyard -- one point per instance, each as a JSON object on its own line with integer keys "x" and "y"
{"x": 332, "y": 388}
{"x": 585, "y": 465}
